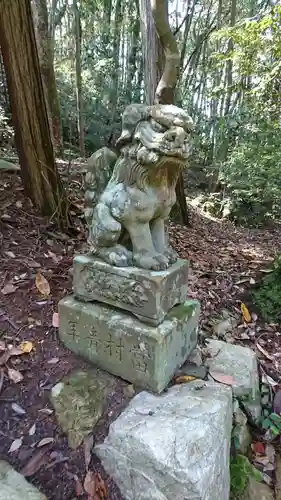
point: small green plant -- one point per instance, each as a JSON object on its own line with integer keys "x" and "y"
{"x": 267, "y": 295}
{"x": 240, "y": 471}
{"x": 273, "y": 423}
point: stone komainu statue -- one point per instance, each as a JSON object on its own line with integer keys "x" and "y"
{"x": 128, "y": 198}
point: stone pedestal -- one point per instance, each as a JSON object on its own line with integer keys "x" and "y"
{"x": 149, "y": 295}
{"x": 121, "y": 344}
{"x": 134, "y": 323}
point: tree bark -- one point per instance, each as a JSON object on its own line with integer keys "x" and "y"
{"x": 152, "y": 52}
{"x": 78, "y": 74}
{"x": 119, "y": 9}
{"x": 132, "y": 57}
{"x": 165, "y": 90}
{"x": 44, "y": 44}
{"x": 32, "y": 133}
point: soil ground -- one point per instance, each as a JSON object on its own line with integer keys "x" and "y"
{"x": 225, "y": 262}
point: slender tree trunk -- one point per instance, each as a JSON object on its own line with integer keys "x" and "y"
{"x": 46, "y": 59}
{"x": 224, "y": 142}
{"x": 116, "y": 50}
{"x": 152, "y": 52}
{"x": 132, "y": 57}
{"x": 165, "y": 90}
{"x": 78, "y": 75}
{"x": 32, "y": 133}
{"x": 229, "y": 68}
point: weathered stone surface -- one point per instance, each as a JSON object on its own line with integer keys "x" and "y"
{"x": 195, "y": 357}
{"x": 193, "y": 370}
{"x": 13, "y": 486}
{"x": 147, "y": 294}
{"x": 257, "y": 491}
{"x": 172, "y": 446}
{"x": 119, "y": 343}
{"x": 79, "y": 401}
{"x": 238, "y": 362}
{"x": 241, "y": 431}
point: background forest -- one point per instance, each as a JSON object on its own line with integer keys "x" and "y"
{"x": 95, "y": 58}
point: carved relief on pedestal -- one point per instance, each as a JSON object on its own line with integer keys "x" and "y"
{"x": 126, "y": 290}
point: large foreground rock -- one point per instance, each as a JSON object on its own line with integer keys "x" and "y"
{"x": 172, "y": 446}
{"x": 13, "y": 486}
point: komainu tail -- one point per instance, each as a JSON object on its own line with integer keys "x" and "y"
{"x": 100, "y": 168}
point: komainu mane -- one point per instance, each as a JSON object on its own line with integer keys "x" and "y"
{"x": 129, "y": 198}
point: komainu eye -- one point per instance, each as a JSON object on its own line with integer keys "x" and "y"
{"x": 158, "y": 127}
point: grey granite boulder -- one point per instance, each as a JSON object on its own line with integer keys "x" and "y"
{"x": 240, "y": 363}
{"x": 13, "y": 486}
{"x": 237, "y": 361}
{"x": 172, "y": 446}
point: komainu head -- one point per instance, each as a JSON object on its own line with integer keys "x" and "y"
{"x": 149, "y": 132}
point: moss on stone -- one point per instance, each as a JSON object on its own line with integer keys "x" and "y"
{"x": 267, "y": 294}
{"x": 79, "y": 401}
{"x": 185, "y": 310}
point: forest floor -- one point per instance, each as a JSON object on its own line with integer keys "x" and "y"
{"x": 225, "y": 262}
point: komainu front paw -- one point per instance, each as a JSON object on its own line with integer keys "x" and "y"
{"x": 155, "y": 261}
{"x": 171, "y": 255}
{"x": 117, "y": 256}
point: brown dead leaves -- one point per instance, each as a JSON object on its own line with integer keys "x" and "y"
{"x": 7, "y": 355}
{"x": 42, "y": 284}
{"x": 94, "y": 486}
{"x": 93, "y": 483}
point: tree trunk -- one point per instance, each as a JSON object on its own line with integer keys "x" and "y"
{"x": 165, "y": 90}
{"x": 32, "y": 133}
{"x": 79, "y": 93}
{"x": 229, "y": 67}
{"x": 152, "y": 52}
{"x": 119, "y": 9}
{"x": 44, "y": 45}
{"x": 132, "y": 57}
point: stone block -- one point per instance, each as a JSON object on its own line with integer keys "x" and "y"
{"x": 119, "y": 343}
{"x": 172, "y": 446}
{"x": 149, "y": 295}
{"x": 237, "y": 361}
{"x": 14, "y": 486}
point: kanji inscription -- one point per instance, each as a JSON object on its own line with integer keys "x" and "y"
{"x": 141, "y": 357}
{"x": 114, "y": 348}
{"x": 95, "y": 342}
{"x": 72, "y": 329}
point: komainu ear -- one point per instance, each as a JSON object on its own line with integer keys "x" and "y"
{"x": 133, "y": 114}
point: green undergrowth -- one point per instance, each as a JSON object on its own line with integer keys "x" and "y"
{"x": 267, "y": 294}
{"x": 241, "y": 470}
